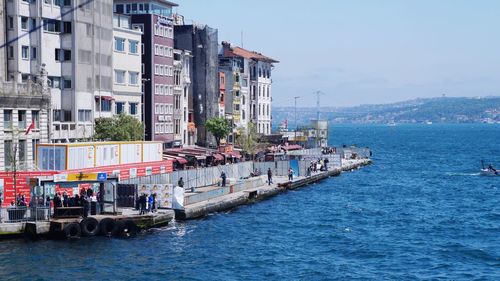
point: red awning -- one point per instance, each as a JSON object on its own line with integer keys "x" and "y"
{"x": 293, "y": 147}
{"x": 104, "y": 98}
{"x": 218, "y": 157}
{"x": 181, "y": 160}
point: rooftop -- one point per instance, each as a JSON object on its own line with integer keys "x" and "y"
{"x": 240, "y": 52}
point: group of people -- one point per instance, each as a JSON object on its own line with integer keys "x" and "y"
{"x": 84, "y": 199}
{"x": 329, "y": 150}
{"x": 146, "y": 203}
{"x": 322, "y": 164}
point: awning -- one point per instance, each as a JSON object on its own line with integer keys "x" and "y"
{"x": 199, "y": 157}
{"x": 108, "y": 98}
{"x": 293, "y": 147}
{"x": 218, "y": 157}
{"x": 181, "y": 160}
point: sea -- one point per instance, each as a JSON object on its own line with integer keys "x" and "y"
{"x": 421, "y": 211}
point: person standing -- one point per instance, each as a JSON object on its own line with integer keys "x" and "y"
{"x": 223, "y": 177}
{"x": 269, "y": 176}
{"x": 150, "y": 203}
{"x": 180, "y": 183}
{"x": 290, "y": 174}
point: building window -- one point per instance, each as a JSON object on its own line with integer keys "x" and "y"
{"x": 55, "y": 82}
{"x": 133, "y": 78}
{"x": 22, "y": 151}
{"x": 7, "y": 119}
{"x": 84, "y": 115}
{"x": 7, "y": 148}
{"x": 10, "y": 24}
{"x": 133, "y": 45}
{"x": 67, "y": 84}
{"x": 133, "y": 108}
{"x": 120, "y": 76}
{"x": 62, "y": 55}
{"x": 67, "y": 2}
{"x": 24, "y": 23}
{"x": 11, "y": 52}
{"x": 119, "y": 44}
{"x": 25, "y": 52}
{"x": 119, "y": 106}
{"x": 34, "y": 142}
{"x": 21, "y": 119}
{"x": 142, "y": 68}
{"x": 51, "y": 25}
{"x": 67, "y": 27}
{"x": 35, "y": 117}
{"x": 105, "y": 105}
{"x": 33, "y": 53}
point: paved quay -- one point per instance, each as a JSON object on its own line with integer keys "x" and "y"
{"x": 215, "y": 198}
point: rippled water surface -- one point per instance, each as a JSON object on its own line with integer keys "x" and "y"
{"x": 421, "y": 211}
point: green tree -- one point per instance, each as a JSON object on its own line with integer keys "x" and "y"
{"x": 121, "y": 128}
{"x": 219, "y": 127}
{"x": 247, "y": 140}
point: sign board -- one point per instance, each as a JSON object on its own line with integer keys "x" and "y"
{"x": 102, "y": 176}
{"x": 80, "y": 177}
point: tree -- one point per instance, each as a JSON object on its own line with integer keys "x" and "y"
{"x": 219, "y": 127}
{"x": 247, "y": 140}
{"x": 121, "y": 128}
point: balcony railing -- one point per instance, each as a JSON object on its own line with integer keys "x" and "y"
{"x": 71, "y": 130}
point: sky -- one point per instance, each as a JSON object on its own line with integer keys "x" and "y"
{"x": 364, "y": 52}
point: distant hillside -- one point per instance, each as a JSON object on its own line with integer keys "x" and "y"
{"x": 435, "y": 110}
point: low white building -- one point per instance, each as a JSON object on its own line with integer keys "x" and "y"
{"x": 127, "y": 72}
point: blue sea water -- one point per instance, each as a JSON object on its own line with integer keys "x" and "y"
{"x": 421, "y": 211}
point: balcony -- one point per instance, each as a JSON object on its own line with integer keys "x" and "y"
{"x": 71, "y": 130}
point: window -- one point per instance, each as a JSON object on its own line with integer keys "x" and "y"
{"x": 33, "y": 53}
{"x": 22, "y": 150}
{"x": 7, "y": 119}
{"x": 133, "y": 78}
{"x": 133, "y": 108}
{"x": 67, "y": 55}
{"x": 105, "y": 105}
{"x": 7, "y": 148}
{"x": 11, "y": 52}
{"x": 58, "y": 3}
{"x": 119, "y": 76}
{"x": 24, "y": 23}
{"x": 10, "y": 22}
{"x": 67, "y": 2}
{"x": 84, "y": 115}
{"x": 33, "y": 23}
{"x": 57, "y": 54}
{"x": 142, "y": 68}
{"x": 34, "y": 142}
{"x": 25, "y": 52}
{"x": 35, "y": 116}
{"x": 119, "y": 44}
{"x": 67, "y": 27}
{"x": 119, "y": 8}
{"x": 55, "y": 82}
{"x": 21, "y": 119}
{"x": 119, "y": 107}
{"x": 142, "y": 48}
{"x": 51, "y": 25}
{"x": 67, "y": 83}
{"x": 133, "y": 45}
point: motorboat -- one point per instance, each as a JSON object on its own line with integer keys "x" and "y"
{"x": 489, "y": 171}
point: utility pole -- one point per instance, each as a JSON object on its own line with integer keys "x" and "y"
{"x": 318, "y": 94}
{"x": 296, "y": 125}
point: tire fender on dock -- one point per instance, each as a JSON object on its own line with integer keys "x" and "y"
{"x": 89, "y": 226}
{"x": 109, "y": 227}
{"x": 72, "y": 230}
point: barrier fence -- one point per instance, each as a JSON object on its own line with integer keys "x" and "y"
{"x": 21, "y": 214}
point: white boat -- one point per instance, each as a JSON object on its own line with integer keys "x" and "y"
{"x": 391, "y": 124}
{"x": 489, "y": 173}
{"x": 428, "y": 122}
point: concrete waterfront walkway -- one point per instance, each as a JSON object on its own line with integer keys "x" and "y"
{"x": 262, "y": 191}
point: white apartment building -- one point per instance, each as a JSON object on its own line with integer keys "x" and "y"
{"x": 182, "y": 81}
{"x": 261, "y": 93}
{"x": 74, "y": 39}
{"x": 127, "y": 72}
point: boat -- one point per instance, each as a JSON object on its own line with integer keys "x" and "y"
{"x": 391, "y": 124}
{"x": 428, "y": 122}
{"x": 490, "y": 171}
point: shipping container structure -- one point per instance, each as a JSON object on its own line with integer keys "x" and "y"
{"x": 70, "y": 156}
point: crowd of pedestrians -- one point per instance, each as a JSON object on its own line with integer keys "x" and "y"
{"x": 146, "y": 203}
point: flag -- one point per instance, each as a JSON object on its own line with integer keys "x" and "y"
{"x": 31, "y": 127}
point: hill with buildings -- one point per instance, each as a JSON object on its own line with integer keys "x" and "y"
{"x": 435, "y": 110}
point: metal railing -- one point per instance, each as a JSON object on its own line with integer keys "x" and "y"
{"x": 21, "y": 214}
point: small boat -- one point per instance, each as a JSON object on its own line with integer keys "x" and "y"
{"x": 391, "y": 124}
{"x": 490, "y": 171}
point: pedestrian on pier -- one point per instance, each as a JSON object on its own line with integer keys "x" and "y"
{"x": 223, "y": 177}
{"x": 180, "y": 183}
{"x": 142, "y": 204}
{"x": 290, "y": 174}
{"x": 269, "y": 176}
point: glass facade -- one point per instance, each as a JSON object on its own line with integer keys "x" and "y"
{"x": 143, "y": 8}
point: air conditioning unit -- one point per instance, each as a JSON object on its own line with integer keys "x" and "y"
{"x": 161, "y": 118}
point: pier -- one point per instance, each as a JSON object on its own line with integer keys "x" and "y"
{"x": 205, "y": 200}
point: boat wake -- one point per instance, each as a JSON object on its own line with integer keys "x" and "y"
{"x": 455, "y": 174}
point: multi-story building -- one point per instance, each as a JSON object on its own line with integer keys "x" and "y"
{"x": 182, "y": 98}
{"x": 201, "y": 41}
{"x": 24, "y": 121}
{"x": 3, "y": 38}
{"x": 154, "y": 19}
{"x": 73, "y": 39}
{"x": 127, "y": 77}
{"x": 252, "y": 94}
{"x": 222, "y": 93}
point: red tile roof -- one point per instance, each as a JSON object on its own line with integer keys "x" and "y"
{"x": 240, "y": 52}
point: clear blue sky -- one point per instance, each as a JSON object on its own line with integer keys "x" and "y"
{"x": 368, "y": 51}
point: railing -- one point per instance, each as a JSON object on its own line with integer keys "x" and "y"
{"x": 71, "y": 130}
{"x": 20, "y": 214}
